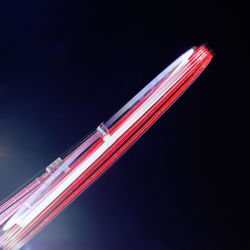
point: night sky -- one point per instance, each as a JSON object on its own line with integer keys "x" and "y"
{"x": 66, "y": 66}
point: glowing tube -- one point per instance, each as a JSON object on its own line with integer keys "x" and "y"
{"x": 21, "y": 218}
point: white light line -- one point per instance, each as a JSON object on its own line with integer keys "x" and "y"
{"x": 27, "y": 217}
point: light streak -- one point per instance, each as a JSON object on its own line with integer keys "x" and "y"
{"x": 34, "y": 206}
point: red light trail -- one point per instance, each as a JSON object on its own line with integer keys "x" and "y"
{"x": 30, "y": 209}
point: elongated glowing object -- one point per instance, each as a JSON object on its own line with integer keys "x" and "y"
{"x": 23, "y": 214}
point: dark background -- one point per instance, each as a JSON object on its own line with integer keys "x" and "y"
{"x": 65, "y": 66}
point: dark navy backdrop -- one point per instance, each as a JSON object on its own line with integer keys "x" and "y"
{"x": 65, "y": 66}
